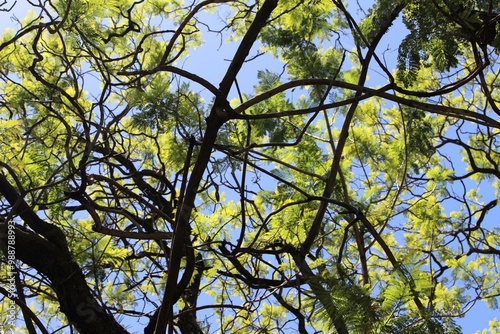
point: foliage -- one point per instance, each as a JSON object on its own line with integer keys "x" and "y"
{"x": 294, "y": 177}
{"x": 437, "y": 32}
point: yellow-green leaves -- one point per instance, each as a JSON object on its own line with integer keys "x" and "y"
{"x": 311, "y": 198}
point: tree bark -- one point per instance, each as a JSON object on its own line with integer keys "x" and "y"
{"x": 50, "y": 256}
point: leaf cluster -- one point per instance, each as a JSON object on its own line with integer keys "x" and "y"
{"x": 437, "y": 30}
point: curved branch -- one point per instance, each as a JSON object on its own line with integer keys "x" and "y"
{"x": 186, "y": 20}
{"x": 25, "y": 310}
{"x": 67, "y": 280}
{"x": 214, "y": 121}
{"x": 28, "y": 215}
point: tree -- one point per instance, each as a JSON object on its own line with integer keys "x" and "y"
{"x": 137, "y": 194}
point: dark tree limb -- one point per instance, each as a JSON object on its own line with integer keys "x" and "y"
{"x": 50, "y": 232}
{"x": 67, "y": 280}
{"x": 218, "y": 116}
{"x": 27, "y": 312}
{"x": 46, "y": 250}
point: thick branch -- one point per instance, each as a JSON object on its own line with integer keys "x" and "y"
{"x": 214, "y": 122}
{"x": 21, "y": 208}
{"x": 67, "y": 280}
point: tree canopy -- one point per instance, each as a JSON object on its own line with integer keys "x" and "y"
{"x": 316, "y": 181}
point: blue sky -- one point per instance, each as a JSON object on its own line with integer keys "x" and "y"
{"x": 479, "y": 316}
{"x": 209, "y": 62}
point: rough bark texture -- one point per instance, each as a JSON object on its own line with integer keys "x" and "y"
{"x": 47, "y": 252}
